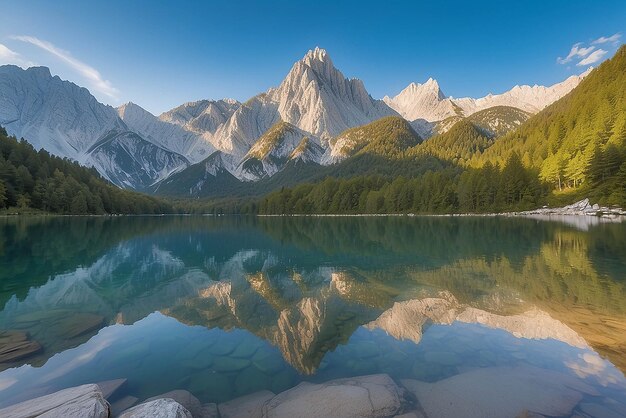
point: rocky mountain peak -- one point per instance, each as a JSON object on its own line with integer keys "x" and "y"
{"x": 318, "y": 54}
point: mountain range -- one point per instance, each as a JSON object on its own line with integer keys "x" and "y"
{"x": 309, "y": 118}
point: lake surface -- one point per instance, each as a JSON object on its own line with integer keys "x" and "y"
{"x": 228, "y": 306}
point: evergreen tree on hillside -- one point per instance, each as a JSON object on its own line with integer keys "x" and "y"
{"x": 37, "y": 180}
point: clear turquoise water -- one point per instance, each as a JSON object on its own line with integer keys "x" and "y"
{"x": 228, "y": 306}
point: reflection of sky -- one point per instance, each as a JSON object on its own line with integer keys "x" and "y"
{"x": 152, "y": 347}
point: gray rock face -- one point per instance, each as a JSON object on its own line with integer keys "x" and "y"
{"x": 84, "y": 401}
{"x": 500, "y": 392}
{"x": 365, "y": 396}
{"x": 159, "y": 408}
{"x": 250, "y": 406}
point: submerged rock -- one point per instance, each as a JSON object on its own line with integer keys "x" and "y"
{"x": 122, "y": 404}
{"x": 84, "y": 401}
{"x": 79, "y": 324}
{"x": 159, "y": 408}
{"x": 16, "y": 345}
{"x": 109, "y": 387}
{"x": 365, "y": 396}
{"x": 249, "y": 406}
{"x": 500, "y": 392}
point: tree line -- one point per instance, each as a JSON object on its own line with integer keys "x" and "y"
{"x": 485, "y": 189}
{"x": 31, "y": 179}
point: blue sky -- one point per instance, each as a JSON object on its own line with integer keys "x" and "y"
{"x": 160, "y": 54}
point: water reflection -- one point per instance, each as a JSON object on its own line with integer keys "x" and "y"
{"x": 225, "y": 307}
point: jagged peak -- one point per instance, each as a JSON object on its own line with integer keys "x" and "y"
{"x": 431, "y": 85}
{"x": 131, "y": 107}
{"x": 317, "y": 54}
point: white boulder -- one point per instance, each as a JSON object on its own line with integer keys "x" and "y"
{"x": 159, "y": 408}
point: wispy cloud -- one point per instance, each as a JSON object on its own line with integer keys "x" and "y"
{"x": 576, "y": 52}
{"x": 8, "y": 56}
{"x": 588, "y": 53}
{"x": 604, "y": 39}
{"x": 594, "y": 57}
{"x": 92, "y": 75}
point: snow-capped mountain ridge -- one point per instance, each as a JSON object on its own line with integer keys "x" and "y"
{"x": 427, "y": 101}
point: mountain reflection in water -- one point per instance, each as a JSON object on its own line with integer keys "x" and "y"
{"x": 228, "y": 306}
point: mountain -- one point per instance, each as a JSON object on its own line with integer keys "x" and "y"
{"x": 271, "y": 151}
{"x": 57, "y": 115}
{"x": 423, "y": 101}
{"x": 166, "y": 135}
{"x": 386, "y": 137}
{"x": 493, "y": 121}
{"x": 427, "y": 102}
{"x": 69, "y": 122}
{"x": 528, "y": 98}
{"x": 203, "y": 116}
{"x": 314, "y": 100}
{"x": 459, "y": 144}
{"x": 317, "y": 98}
{"x": 499, "y": 120}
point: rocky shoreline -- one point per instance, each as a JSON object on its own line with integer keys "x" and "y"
{"x": 503, "y": 391}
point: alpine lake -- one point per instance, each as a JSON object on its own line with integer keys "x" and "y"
{"x": 500, "y": 307}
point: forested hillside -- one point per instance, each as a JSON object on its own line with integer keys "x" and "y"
{"x": 32, "y": 179}
{"x": 578, "y": 142}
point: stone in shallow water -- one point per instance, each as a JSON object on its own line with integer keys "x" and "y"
{"x": 251, "y": 380}
{"x": 209, "y": 410}
{"x": 499, "y": 392}
{"x": 249, "y": 406}
{"x": 79, "y": 324}
{"x": 200, "y": 362}
{"x": 159, "y": 408}
{"x": 223, "y": 347}
{"x": 183, "y": 397}
{"x": 229, "y": 364}
{"x": 245, "y": 350}
{"x": 122, "y": 404}
{"x": 84, "y": 401}
{"x": 210, "y": 385}
{"x": 109, "y": 387}
{"x": 268, "y": 362}
{"x": 364, "y": 396}
{"x": 12, "y": 351}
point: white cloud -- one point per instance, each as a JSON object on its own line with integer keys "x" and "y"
{"x": 92, "y": 75}
{"x": 8, "y": 56}
{"x": 594, "y": 57}
{"x": 604, "y": 39}
{"x": 576, "y": 52}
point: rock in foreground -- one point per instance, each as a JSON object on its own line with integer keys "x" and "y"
{"x": 84, "y": 401}
{"x": 499, "y": 392}
{"x": 365, "y": 396}
{"x": 159, "y": 408}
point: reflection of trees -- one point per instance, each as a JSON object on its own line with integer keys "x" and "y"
{"x": 561, "y": 278}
